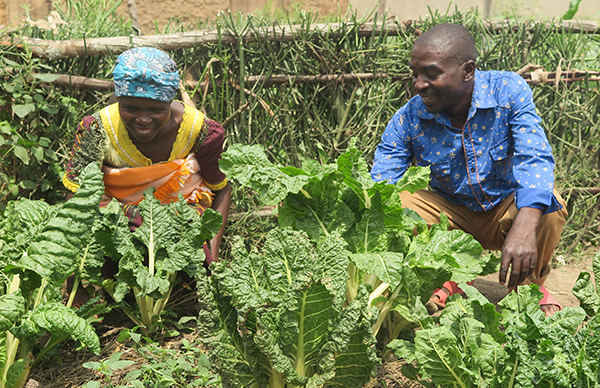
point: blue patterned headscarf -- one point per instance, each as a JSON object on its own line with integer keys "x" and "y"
{"x": 146, "y": 72}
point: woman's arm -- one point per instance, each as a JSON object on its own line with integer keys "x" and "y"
{"x": 221, "y": 203}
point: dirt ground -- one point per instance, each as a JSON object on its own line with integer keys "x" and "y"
{"x": 559, "y": 282}
{"x": 69, "y": 373}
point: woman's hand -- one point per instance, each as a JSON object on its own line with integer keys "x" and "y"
{"x": 221, "y": 203}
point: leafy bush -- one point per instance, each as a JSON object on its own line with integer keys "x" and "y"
{"x": 40, "y": 246}
{"x": 276, "y": 317}
{"x": 468, "y": 349}
{"x": 169, "y": 240}
{"x": 401, "y": 269}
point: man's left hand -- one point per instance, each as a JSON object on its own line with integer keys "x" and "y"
{"x": 519, "y": 252}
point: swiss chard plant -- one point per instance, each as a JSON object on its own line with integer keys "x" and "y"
{"x": 585, "y": 290}
{"x": 169, "y": 240}
{"x": 468, "y": 349}
{"x": 40, "y": 246}
{"x": 277, "y": 317}
{"x": 393, "y": 250}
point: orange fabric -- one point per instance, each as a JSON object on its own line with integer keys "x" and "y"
{"x": 128, "y": 184}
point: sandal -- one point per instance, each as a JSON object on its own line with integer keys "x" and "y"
{"x": 448, "y": 288}
{"x": 548, "y": 299}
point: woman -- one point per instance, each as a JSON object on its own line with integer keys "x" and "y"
{"x": 148, "y": 139}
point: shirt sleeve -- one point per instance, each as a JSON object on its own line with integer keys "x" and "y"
{"x": 394, "y": 153}
{"x": 87, "y": 148}
{"x": 533, "y": 165}
{"x": 208, "y": 155}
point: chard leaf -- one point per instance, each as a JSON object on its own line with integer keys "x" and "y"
{"x": 171, "y": 236}
{"x": 583, "y": 350}
{"x": 21, "y": 222}
{"x": 156, "y": 231}
{"x": 356, "y": 173}
{"x": 522, "y": 312}
{"x": 366, "y": 235}
{"x": 304, "y": 326}
{"x": 53, "y": 252}
{"x": 440, "y": 358}
{"x": 58, "y": 319}
{"x": 586, "y": 292}
{"x": 389, "y": 267}
{"x": 12, "y": 307}
{"x": 219, "y": 332}
{"x": 565, "y": 323}
{"x": 320, "y": 213}
{"x": 250, "y": 167}
{"x": 353, "y": 345}
{"x": 404, "y": 350}
{"x": 249, "y": 286}
{"x": 455, "y": 248}
{"x": 289, "y": 323}
{"x": 415, "y": 178}
{"x": 15, "y": 371}
{"x": 488, "y": 358}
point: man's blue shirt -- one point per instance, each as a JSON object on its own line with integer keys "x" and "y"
{"x": 501, "y": 150}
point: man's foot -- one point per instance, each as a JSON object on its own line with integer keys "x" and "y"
{"x": 548, "y": 304}
{"x": 437, "y": 301}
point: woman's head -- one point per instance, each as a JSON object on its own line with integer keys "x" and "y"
{"x": 146, "y": 72}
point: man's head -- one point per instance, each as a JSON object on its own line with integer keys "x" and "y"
{"x": 146, "y": 72}
{"x": 443, "y": 65}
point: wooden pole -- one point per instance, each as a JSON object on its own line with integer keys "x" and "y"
{"x": 65, "y": 80}
{"x": 53, "y": 49}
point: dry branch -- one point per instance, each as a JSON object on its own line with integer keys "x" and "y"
{"x": 53, "y": 49}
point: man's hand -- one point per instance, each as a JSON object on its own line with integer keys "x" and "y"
{"x": 520, "y": 247}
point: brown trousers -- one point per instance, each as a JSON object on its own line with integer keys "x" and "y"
{"x": 490, "y": 228}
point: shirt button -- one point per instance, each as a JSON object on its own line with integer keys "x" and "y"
{"x": 472, "y": 169}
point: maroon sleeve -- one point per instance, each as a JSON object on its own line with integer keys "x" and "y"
{"x": 209, "y": 153}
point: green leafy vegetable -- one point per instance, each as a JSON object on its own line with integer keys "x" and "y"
{"x": 402, "y": 269}
{"x": 468, "y": 349}
{"x": 169, "y": 240}
{"x": 586, "y": 292}
{"x": 276, "y": 318}
{"x": 41, "y": 246}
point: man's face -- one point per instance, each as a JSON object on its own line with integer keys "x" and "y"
{"x": 439, "y": 79}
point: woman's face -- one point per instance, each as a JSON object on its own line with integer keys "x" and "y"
{"x": 144, "y": 118}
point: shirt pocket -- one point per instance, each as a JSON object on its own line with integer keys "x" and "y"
{"x": 500, "y": 156}
{"x": 441, "y": 177}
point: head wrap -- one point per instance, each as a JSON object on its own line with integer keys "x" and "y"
{"x": 146, "y": 72}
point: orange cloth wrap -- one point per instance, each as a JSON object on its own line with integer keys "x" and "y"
{"x": 128, "y": 184}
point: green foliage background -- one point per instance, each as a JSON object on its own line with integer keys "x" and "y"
{"x": 294, "y": 121}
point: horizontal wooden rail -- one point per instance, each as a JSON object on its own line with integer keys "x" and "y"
{"x": 55, "y": 49}
{"x": 587, "y": 190}
{"x": 65, "y": 80}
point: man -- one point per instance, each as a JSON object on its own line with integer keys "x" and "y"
{"x": 491, "y": 163}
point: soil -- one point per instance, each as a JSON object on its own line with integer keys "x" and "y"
{"x": 67, "y": 372}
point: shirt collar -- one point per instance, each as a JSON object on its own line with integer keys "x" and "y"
{"x": 482, "y": 95}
